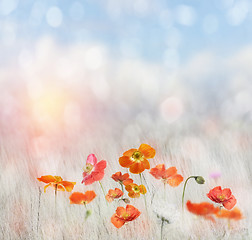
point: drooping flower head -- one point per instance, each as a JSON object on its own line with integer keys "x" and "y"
{"x": 124, "y": 215}
{"x": 168, "y": 175}
{"x": 136, "y": 159}
{"x": 201, "y": 209}
{"x": 135, "y": 190}
{"x": 81, "y": 198}
{"x": 113, "y": 194}
{"x": 122, "y": 179}
{"x": 223, "y": 197}
{"x": 234, "y": 214}
{"x": 93, "y": 171}
{"x": 57, "y": 183}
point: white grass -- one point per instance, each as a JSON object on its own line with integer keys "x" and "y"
{"x": 193, "y": 152}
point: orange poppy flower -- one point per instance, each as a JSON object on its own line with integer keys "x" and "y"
{"x": 201, "y": 209}
{"x": 234, "y": 214}
{"x": 168, "y": 175}
{"x": 81, "y": 198}
{"x": 135, "y": 190}
{"x": 223, "y": 197}
{"x": 113, "y": 194}
{"x": 136, "y": 159}
{"x": 122, "y": 179}
{"x": 123, "y": 215}
{"x": 57, "y": 183}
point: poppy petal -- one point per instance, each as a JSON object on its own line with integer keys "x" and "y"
{"x": 146, "y": 164}
{"x": 120, "y": 211}
{"x": 158, "y": 171}
{"x": 117, "y": 222}
{"x": 147, "y": 151}
{"x": 142, "y": 189}
{"x": 137, "y": 168}
{"x": 89, "y": 196}
{"x": 68, "y": 185}
{"x": 127, "y": 182}
{"x": 46, "y": 186}
{"x": 91, "y": 159}
{"x": 169, "y": 172}
{"x": 47, "y": 179}
{"x": 175, "y": 180}
{"x": 227, "y": 192}
{"x": 230, "y": 203}
{"x": 126, "y": 161}
{"x": 100, "y": 166}
{"x": 77, "y": 198}
{"x": 129, "y": 152}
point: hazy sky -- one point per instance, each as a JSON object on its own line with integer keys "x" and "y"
{"x": 152, "y": 30}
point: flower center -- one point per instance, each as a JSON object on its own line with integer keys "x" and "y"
{"x": 125, "y": 215}
{"x": 88, "y": 168}
{"x": 58, "y": 179}
{"x": 221, "y": 197}
{"x": 137, "y": 156}
{"x": 136, "y": 189}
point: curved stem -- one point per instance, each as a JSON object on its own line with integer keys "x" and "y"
{"x": 183, "y": 195}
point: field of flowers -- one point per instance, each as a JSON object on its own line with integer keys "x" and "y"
{"x": 178, "y": 186}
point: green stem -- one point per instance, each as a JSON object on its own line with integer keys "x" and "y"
{"x": 164, "y": 191}
{"x": 183, "y": 195}
{"x": 122, "y": 187}
{"x": 140, "y": 174}
{"x": 162, "y": 227}
{"x": 103, "y": 190}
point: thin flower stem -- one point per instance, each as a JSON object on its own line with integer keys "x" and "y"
{"x": 38, "y": 209}
{"x": 183, "y": 195}
{"x": 140, "y": 174}
{"x": 122, "y": 187}
{"x": 164, "y": 191}
{"x": 103, "y": 191}
{"x": 162, "y": 227}
{"x": 55, "y": 202}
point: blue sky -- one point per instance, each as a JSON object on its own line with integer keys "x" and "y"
{"x": 131, "y": 29}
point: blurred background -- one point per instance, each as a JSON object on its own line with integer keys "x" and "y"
{"x": 72, "y": 70}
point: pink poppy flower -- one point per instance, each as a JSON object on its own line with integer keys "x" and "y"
{"x": 94, "y": 171}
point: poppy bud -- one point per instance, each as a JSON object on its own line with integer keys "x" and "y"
{"x": 126, "y": 200}
{"x": 200, "y": 180}
{"x": 88, "y": 213}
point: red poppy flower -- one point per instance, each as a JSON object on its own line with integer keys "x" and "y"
{"x": 234, "y": 214}
{"x": 136, "y": 159}
{"x": 113, "y": 194}
{"x": 223, "y": 197}
{"x": 201, "y": 209}
{"x": 81, "y": 198}
{"x": 123, "y": 215}
{"x": 57, "y": 183}
{"x": 94, "y": 171}
{"x": 122, "y": 179}
{"x": 168, "y": 175}
{"x": 135, "y": 190}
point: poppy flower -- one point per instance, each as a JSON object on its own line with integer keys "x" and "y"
{"x": 136, "y": 159}
{"x": 113, "y": 194}
{"x": 94, "y": 171}
{"x": 57, "y": 183}
{"x": 82, "y": 198}
{"x": 201, "y": 209}
{"x": 124, "y": 215}
{"x": 135, "y": 190}
{"x": 223, "y": 197}
{"x": 234, "y": 214}
{"x": 122, "y": 179}
{"x": 168, "y": 175}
